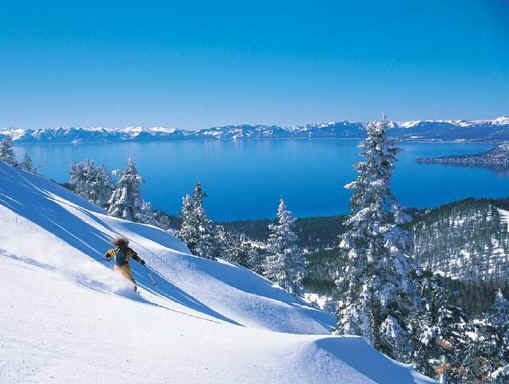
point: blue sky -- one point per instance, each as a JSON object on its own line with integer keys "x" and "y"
{"x": 201, "y": 64}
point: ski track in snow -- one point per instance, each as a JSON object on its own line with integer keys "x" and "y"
{"x": 68, "y": 318}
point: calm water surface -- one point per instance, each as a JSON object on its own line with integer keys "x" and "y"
{"x": 245, "y": 179}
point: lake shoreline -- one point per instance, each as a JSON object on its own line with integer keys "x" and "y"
{"x": 244, "y": 180}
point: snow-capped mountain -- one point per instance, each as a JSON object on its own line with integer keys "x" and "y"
{"x": 462, "y": 130}
{"x": 68, "y": 318}
{"x": 478, "y": 130}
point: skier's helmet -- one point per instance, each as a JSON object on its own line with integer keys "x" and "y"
{"x": 120, "y": 242}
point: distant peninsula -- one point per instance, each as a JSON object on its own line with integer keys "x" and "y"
{"x": 497, "y": 158}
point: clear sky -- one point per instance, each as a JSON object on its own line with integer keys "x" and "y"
{"x": 193, "y": 64}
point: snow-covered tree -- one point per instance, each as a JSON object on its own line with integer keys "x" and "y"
{"x": 27, "y": 164}
{"x": 230, "y": 245}
{"x": 400, "y": 216}
{"x": 7, "y": 151}
{"x": 188, "y": 231}
{"x": 501, "y": 375}
{"x": 499, "y": 313}
{"x": 285, "y": 262}
{"x": 375, "y": 281}
{"x": 94, "y": 184}
{"x": 498, "y": 318}
{"x": 451, "y": 342}
{"x": 450, "y": 346}
{"x": 77, "y": 177}
{"x": 482, "y": 353}
{"x": 235, "y": 246}
{"x": 197, "y": 230}
{"x": 147, "y": 215}
{"x": 165, "y": 221}
{"x": 424, "y": 326}
{"x": 487, "y": 344}
{"x": 256, "y": 258}
{"x": 126, "y": 200}
{"x": 102, "y": 186}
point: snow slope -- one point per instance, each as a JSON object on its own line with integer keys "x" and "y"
{"x": 68, "y": 318}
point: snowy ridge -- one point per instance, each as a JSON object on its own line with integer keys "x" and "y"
{"x": 502, "y": 120}
{"x": 495, "y": 129}
{"x": 66, "y": 317}
{"x": 464, "y": 240}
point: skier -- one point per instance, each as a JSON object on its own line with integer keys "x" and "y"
{"x": 121, "y": 255}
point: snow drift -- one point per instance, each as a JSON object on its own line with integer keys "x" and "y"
{"x": 67, "y": 317}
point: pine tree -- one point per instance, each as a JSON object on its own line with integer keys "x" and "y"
{"x": 229, "y": 244}
{"x": 256, "y": 258}
{"x": 499, "y": 313}
{"x": 197, "y": 230}
{"x": 452, "y": 342}
{"x": 126, "y": 200}
{"x": 7, "y": 152}
{"x": 235, "y": 247}
{"x": 188, "y": 231}
{"x": 147, "y": 215}
{"x": 439, "y": 332}
{"x": 375, "y": 280}
{"x": 498, "y": 318}
{"x": 285, "y": 263}
{"x": 103, "y": 187}
{"x": 93, "y": 184}
{"x": 448, "y": 344}
{"x": 501, "y": 375}
{"x": 27, "y": 165}
{"x": 78, "y": 178}
{"x": 481, "y": 357}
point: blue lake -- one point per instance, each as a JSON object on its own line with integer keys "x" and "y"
{"x": 245, "y": 179}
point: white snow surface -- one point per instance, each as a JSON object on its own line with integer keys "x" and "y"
{"x": 66, "y": 317}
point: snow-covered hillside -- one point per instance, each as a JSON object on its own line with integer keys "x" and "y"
{"x": 495, "y": 158}
{"x": 504, "y": 217}
{"x": 68, "y": 318}
{"x": 436, "y": 130}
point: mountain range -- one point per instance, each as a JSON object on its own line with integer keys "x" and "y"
{"x": 420, "y": 130}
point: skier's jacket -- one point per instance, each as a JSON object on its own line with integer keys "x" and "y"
{"x": 121, "y": 256}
